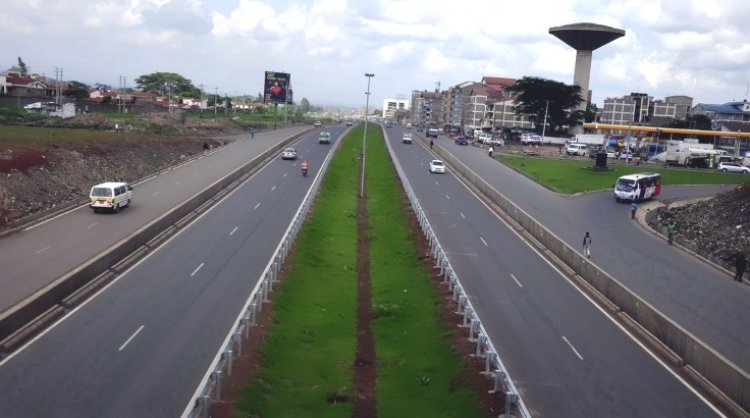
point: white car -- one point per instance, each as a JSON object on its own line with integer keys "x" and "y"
{"x": 289, "y": 154}
{"x": 577, "y": 149}
{"x": 529, "y": 139}
{"x": 626, "y": 155}
{"x": 437, "y": 166}
{"x": 407, "y": 138}
{"x": 484, "y": 138}
{"x": 497, "y": 142}
{"x": 733, "y": 168}
{"x": 611, "y": 154}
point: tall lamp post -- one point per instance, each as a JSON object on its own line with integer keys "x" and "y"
{"x": 364, "y": 137}
{"x": 544, "y": 125}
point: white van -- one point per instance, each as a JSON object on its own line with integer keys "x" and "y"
{"x": 577, "y": 149}
{"x": 111, "y": 196}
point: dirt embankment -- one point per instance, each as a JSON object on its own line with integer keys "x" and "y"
{"x": 38, "y": 176}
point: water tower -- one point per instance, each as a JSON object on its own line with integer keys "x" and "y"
{"x": 585, "y": 38}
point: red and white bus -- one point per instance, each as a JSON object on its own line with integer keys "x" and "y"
{"x": 637, "y": 187}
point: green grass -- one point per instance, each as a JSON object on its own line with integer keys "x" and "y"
{"x": 410, "y": 340}
{"x": 309, "y": 351}
{"x": 571, "y": 176}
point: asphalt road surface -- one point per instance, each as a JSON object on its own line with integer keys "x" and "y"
{"x": 698, "y": 297}
{"x": 142, "y": 345}
{"x": 37, "y": 256}
{"x": 566, "y": 357}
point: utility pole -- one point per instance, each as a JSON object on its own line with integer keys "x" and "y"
{"x": 216, "y": 99}
{"x": 544, "y": 125}
{"x": 364, "y": 137}
{"x": 201, "y": 105}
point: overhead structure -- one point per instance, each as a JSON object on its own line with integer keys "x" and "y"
{"x": 585, "y": 38}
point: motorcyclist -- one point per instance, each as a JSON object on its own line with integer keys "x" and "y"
{"x": 305, "y": 165}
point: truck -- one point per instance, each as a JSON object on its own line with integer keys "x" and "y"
{"x": 688, "y": 153}
{"x": 433, "y": 131}
{"x": 589, "y": 139}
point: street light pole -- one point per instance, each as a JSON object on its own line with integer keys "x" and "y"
{"x": 544, "y": 125}
{"x": 364, "y": 137}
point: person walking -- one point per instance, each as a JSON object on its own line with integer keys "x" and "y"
{"x": 739, "y": 264}
{"x": 431, "y": 143}
{"x": 252, "y": 133}
{"x": 633, "y": 209}
{"x": 587, "y": 245}
{"x": 671, "y": 229}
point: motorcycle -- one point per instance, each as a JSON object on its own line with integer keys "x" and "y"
{"x": 304, "y": 170}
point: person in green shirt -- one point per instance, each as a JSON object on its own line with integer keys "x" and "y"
{"x": 671, "y": 229}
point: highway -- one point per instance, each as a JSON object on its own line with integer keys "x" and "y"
{"x": 698, "y": 297}
{"x": 35, "y": 257}
{"x": 141, "y": 346}
{"x": 566, "y": 357}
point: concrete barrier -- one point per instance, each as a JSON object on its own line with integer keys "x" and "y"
{"x": 732, "y": 381}
{"x": 16, "y": 324}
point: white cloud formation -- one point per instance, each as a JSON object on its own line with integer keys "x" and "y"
{"x": 699, "y": 48}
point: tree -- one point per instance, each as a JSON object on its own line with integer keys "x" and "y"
{"x": 304, "y": 105}
{"x": 77, "y": 92}
{"x": 533, "y": 95}
{"x": 22, "y": 66}
{"x": 160, "y": 82}
{"x": 693, "y": 122}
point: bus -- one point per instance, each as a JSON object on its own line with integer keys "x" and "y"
{"x": 637, "y": 187}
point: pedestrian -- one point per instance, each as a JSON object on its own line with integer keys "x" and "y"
{"x": 671, "y": 228}
{"x": 633, "y": 209}
{"x": 740, "y": 264}
{"x": 252, "y": 133}
{"x": 587, "y": 245}
{"x": 431, "y": 143}
{"x": 491, "y": 150}
{"x": 117, "y": 127}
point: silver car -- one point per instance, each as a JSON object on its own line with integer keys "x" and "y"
{"x": 289, "y": 154}
{"x": 733, "y": 168}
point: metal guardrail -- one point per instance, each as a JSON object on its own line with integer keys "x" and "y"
{"x": 210, "y": 387}
{"x": 493, "y": 365}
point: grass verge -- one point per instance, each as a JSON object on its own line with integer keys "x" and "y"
{"x": 568, "y": 176}
{"x": 419, "y": 374}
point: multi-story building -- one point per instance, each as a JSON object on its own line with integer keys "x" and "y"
{"x": 455, "y": 103}
{"x": 426, "y": 107}
{"x": 683, "y": 106}
{"x": 641, "y": 109}
{"x": 392, "y": 106}
{"x": 727, "y": 112}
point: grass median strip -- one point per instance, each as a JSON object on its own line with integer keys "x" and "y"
{"x": 568, "y": 176}
{"x": 311, "y": 353}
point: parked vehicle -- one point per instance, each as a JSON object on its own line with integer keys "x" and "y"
{"x": 577, "y": 149}
{"x": 461, "y": 141}
{"x": 407, "y": 138}
{"x": 626, "y": 155}
{"x": 289, "y": 154}
{"x": 111, "y": 196}
{"x": 530, "y": 139}
{"x": 733, "y": 168}
{"x": 318, "y": 124}
{"x": 437, "y": 166}
{"x": 484, "y": 138}
{"x": 637, "y": 187}
{"x": 497, "y": 142}
{"x": 324, "y": 137}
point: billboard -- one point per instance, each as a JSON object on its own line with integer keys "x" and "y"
{"x": 277, "y": 88}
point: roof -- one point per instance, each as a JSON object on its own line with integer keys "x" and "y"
{"x": 498, "y": 81}
{"x": 726, "y": 108}
{"x": 735, "y": 126}
{"x": 111, "y": 184}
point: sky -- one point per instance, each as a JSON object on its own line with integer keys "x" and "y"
{"x": 698, "y": 48}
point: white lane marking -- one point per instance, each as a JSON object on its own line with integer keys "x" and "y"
{"x": 131, "y": 337}
{"x": 436, "y": 183}
{"x": 43, "y": 249}
{"x": 273, "y": 188}
{"x": 462, "y": 215}
{"x": 484, "y": 242}
{"x": 514, "y": 278}
{"x": 92, "y": 225}
{"x": 196, "y": 270}
{"x": 572, "y": 348}
{"x": 233, "y": 230}
{"x": 155, "y": 193}
{"x": 284, "y": 175}
{"x": 257, "y": 206}
{"x": 177, "y": 182}
{"x": 447, "y": 197}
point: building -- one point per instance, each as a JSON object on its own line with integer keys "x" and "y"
{"x": 425, "y": 107}
{"x": 642, "y": 109}
{"x": 727, "y": 112}
{"x": 392, "y": 106}
{"x": 683, "y": 106}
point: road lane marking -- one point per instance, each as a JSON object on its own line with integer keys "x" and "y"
{"x": 43, "y": 249}
{"x": 447, "y": 197}
{"x": 131, "y": 337}
{"x": 233, "y": 231}
{"x": 462, "y": 215}
{"x": 436, "y": 183}
{"x": 484, "y": 242}
{"x": 273, "y": 188}
{"x": 284, "y": 174}
{"x": 257, "y": 205}
{"x": 196, "y": 270}
{"x": 572, "y": 348}
{"x": 517, "y": 282}
{"x": 92, "y": 225}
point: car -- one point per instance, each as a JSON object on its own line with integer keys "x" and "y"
{"x": 530, "y": 138}
{"x": 461, "y": 141}
{"x": 611, "y": 154}
{"x": 289, "y": 154}
{"x": 110, "y": 196}
{"x": 348, "y": 123}
{"x": 318, "y": 124}
{"x": 626, "y": 155}
{"x": 433, "y": 132}
{"x": 437, "y": 166}
{"x": 324, "y": 137}
{"x": 407, "y": 138}
{"x": 497, "y": 142}
{"x": 484, "y": 138}
{"x": 577, "y": 149}
{"x": 733, "y": 168}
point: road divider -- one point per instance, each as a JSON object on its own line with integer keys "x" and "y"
{"x": 25, "y": 319}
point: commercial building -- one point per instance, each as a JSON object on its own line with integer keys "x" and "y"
{"x": 727, "y": 112}
{"x": 392, "y": 106}
{"x": 642, "y": 109}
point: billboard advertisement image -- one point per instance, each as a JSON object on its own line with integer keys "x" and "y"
{"x": 277, "y": 88}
